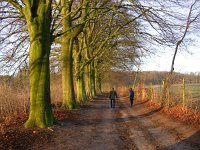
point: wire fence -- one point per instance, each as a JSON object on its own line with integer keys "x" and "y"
{"x": 182, "y": 94}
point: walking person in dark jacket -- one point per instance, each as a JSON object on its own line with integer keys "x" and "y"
{"x": 131, "y": 96}
{"x": 112, "y": 96}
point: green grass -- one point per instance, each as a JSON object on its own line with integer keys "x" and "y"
{"x": 192, "y": 90}
{"x": 192, "y": 95}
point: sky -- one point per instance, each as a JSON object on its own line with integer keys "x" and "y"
{"x": 185, "y": 62}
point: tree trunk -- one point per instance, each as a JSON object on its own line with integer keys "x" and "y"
{"x": 40, "y": 38}
{"x": 87, "y": 81}
{"x": 92, "y": 80}
{"x": 81, "y": 93}
{"x": 69, "y": 34}
{"x": 80, "y": 84}
{"x": 97, "y": 81}
{"x": 67, "y": 74}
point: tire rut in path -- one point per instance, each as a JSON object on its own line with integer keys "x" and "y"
{"x": 106, "y": 137}
{"x": 139, "y": 136}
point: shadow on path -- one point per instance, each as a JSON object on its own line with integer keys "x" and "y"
{"x": 100, "y": 108}
{"x": 192, "y": 141}
{"x": 141, "y": 103}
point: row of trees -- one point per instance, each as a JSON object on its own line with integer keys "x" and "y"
{"x": 78, "y": 32}
{"x": 79, "y": 38}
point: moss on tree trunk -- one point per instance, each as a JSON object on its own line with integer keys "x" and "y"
{"x": 67, "y": 74}
{"x": 92, "y": 79}
{"x": 40, "y": 104}
{"x": 97, "y": 80}
{"x": 81, "y": 93}
{"x": 38, "y": 17}
{"x": 70, "y": 32}
{"x": 80, "y": 84}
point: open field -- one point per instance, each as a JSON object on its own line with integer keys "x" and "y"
{"x": 191, "y": 89}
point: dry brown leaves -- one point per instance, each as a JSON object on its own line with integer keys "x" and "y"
{"x": 14, "y": 136}
{"x": 189, "y": 116}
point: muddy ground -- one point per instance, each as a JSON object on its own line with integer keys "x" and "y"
{"x": 96, "y": 126}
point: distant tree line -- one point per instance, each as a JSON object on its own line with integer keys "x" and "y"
{"x": 126, "y": 78}
{"x": 156, "y": 77}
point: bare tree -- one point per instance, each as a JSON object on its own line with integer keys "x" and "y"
{"x": 191, "y": 18}
{"x": 14, "y": 40}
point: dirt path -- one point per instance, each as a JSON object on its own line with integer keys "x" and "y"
{"x": 99, "y": 127}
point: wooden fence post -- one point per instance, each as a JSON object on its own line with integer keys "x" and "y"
{"x": 151, "y": 92}
{"x": 162, "y": 97}
{"x": 168, "y": 97}
{"x": 183, "y": 93}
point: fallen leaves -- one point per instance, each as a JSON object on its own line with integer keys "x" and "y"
{"x": 20, "y": 138}
{"x": 190, "y": 116}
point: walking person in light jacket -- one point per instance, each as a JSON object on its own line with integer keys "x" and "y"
{"x": 112, "y": 96}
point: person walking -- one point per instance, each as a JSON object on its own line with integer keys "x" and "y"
{"x": 112, "y": 96}
{"x": 131, "y": 96}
